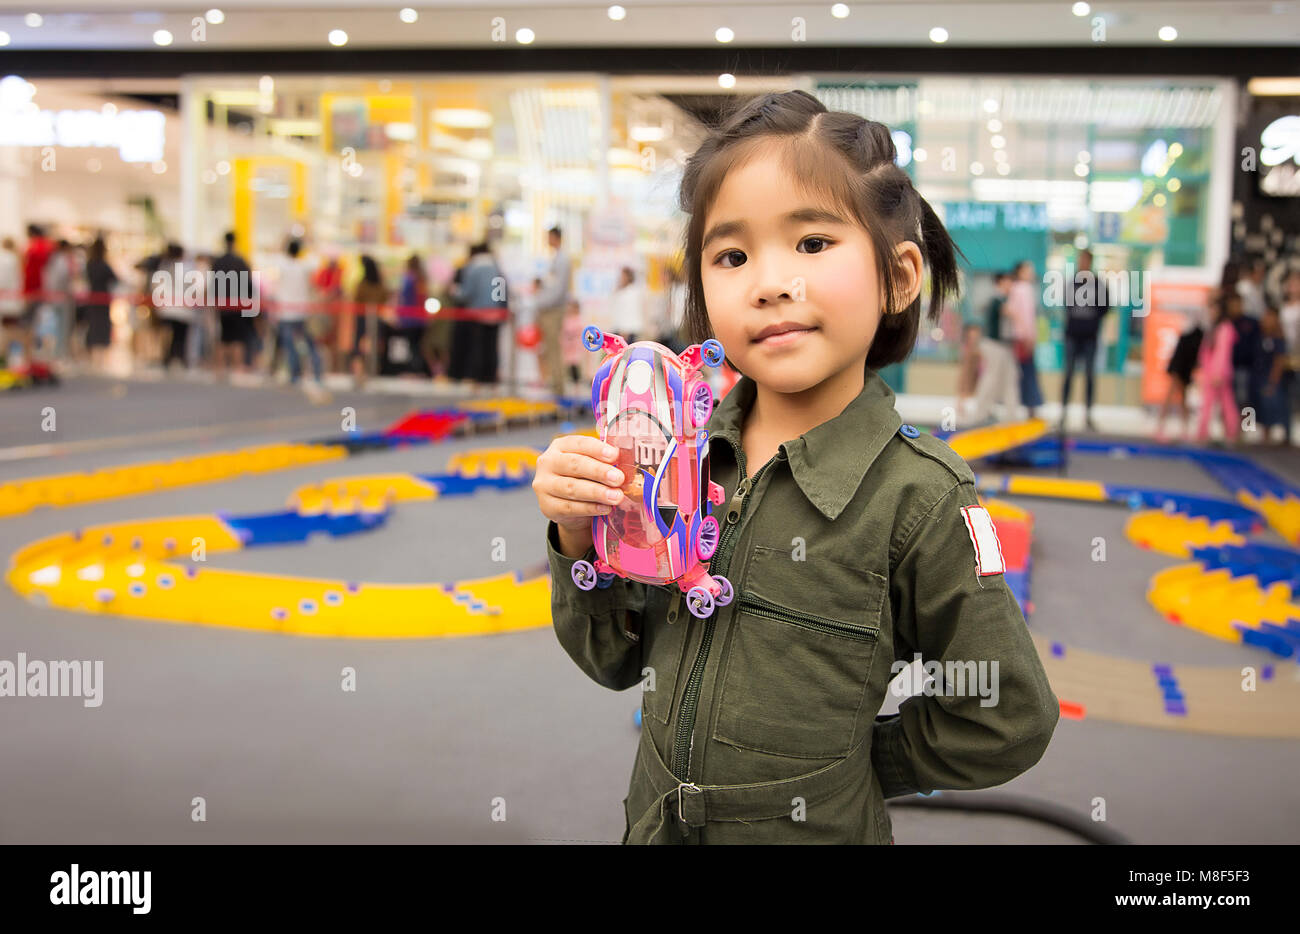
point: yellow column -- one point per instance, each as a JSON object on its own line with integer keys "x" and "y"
{"x": 241, "y": 191}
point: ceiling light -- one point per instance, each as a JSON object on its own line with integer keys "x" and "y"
{"x": 223, "y": 167}
{"x": 998, "y": 142}
{"x": 462, "y": 118}
{"x": 723, "y": 34}
{"x": 616, "y": 12}
{"x": 338, "y": 37}
{"x": 1167, "y": 33}
{"x": 1159, "y": 200}
{"x": 938, "y": 34}
{"x": 919, "y": 155}
{"x": 4, "y": 37}
{"x": 1174, "y": 184}
{"x": 159, "y": 167}
{"x": 94, "y": 165}
{"x": 977, "y": 168}
{"x": 1084, "y": 156}
{"x": 1080, "y": 169}
{"x": 727, "y": 80}
{"x": 1081, "y": 9}
{"x": 995, "y": 125}
{"x": 215, "y": 16}
{"x": 162, "y": 37}
{"x": 991, "y": 105}
{"x": 524, "y": 36}
{"x": 840, "y": 10}
{"x": 1004, "y": 168}
{"x": 33, "y": 20}
{"x": 408, "y": 15}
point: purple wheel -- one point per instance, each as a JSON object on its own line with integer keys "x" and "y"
{"x": 706, "y": 538}
{"x": 592, "y": 337}
{"x": 711, "y": 352}
{"x": 723, "y": 598}
{"x": 584, "y": 575}
{"x": 699, "y": 398}
{"x": 700, "y": 602}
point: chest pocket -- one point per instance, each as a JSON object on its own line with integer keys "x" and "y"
{"x": 803, "y": 636}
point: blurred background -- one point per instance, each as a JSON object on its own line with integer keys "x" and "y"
{"x": 423, "y": 205}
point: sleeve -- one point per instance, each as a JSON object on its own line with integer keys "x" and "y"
{"x": 599, "y": 628}
{"x": 999, "y": 725}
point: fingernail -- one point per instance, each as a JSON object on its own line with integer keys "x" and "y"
{"x": 610, "y": 450}
{"x": 614, "y": 495}
{"x": 614, "y": 476}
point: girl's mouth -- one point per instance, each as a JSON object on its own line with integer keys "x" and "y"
{"x": 784, "y": 338}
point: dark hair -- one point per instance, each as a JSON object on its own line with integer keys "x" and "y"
{"x": 1231, "y": 275}
{"x": 1015, "y": 270}
{"x": 630, "y": 273}
{"x": 35, "y": 230}
{"x": 414, "y": 265}
{"x": 174, "y": 251}
{"x": 1003, "y": 274}
{"x": 96, "y": 252}
{"x": 848, "y": 159}
{"x": 230, "y": 239}
{"x": 558, "y": 233}
{"x": 295, "y": 247}
{"x": 370, "y": 270}
{"x": 478, "y": 248}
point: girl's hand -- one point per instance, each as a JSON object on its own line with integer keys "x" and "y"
{"x": 575, "y": 481}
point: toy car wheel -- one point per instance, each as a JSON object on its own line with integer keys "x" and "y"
{"x": 699, "y": 397}
{"x": 604, "y": 580}
{"x": 706, "y": 538}
{"x": 592, "y": 337}
{"x": 700, "y": 602}
{"x": 711, "y": 352}
{"x": 584, "y": 575}
{"x": 723, "y": 598}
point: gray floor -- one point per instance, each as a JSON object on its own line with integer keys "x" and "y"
{"x": 258, "y": 726}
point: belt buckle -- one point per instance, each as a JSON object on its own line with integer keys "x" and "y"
{"x": 680, "y": 786}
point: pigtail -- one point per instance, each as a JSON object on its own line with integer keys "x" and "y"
{"x": 941, "y": 257}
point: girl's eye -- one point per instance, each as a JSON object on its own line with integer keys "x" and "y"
{"x": 822, "y": 242}
{"x": 723, "y": 256}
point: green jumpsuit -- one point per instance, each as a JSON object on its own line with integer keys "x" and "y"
{"x": 848, "y": 550}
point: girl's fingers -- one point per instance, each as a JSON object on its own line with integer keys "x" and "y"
{"x": 584, "y": 491}
{"x": 557, "y": 508}
{"x": 587, "y": 468}
{"x": 586, "y": 444}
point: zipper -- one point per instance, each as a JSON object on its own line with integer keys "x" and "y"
{"x": 720, "y": 565}
{"x": 760, "y": 607}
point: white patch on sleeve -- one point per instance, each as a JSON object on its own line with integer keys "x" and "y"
{"x": 983, "y": 535}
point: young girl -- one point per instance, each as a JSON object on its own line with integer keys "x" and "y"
{"x": 854, "y": 543}
{"x": 1215, "y": 373}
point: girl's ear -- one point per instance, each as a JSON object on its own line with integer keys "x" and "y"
{"x": 911, "y": 272}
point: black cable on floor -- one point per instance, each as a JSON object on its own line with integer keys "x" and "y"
{"x": 1018, "y": 806}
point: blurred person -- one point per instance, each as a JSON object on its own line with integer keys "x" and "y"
{"x": 101, "y": 280}
{"x": 993, "y": 312}
{"x": 174, "y": 312}
{"x": 481, "y": 286}
{"x": 1085, "y": 307}
{"x": 35, "y": 256}
{"x": 370, "y": 329}
{"x": 1273, "y": 376}
{"x": 293, "y": 298}
{"x": 203, "y": 329}
{"x": 1181, "y": 368}
{"x": 1245, "y": 382}
{"x": 237, "y": 331}
{"x": 324, "y": 324}
{"x": 1251, "y": 288}
{"x": 627, "y": 307}
{"x": 988, "y": 376}
{"x": 412, "y": 320}
{"x": 1289, "y": 315}
{"x": 56, "y": 317}
{"x": 571, "y": 338}
{"x": 1215, "y": 376}
{"x": 14, "y": 329}
{"x": 551, "y": 304}
{"x": 1021, "y": 312}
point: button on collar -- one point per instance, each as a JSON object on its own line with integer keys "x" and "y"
{"x": 909, "y": 431}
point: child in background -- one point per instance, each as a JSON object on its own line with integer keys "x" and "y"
{"x": 807, "y": 251}
{"x": 571, "y": 336}
{"x": 1273, "y": 377}
{"x": 1182, "y": 364}
{"x": 1216, "y": 372}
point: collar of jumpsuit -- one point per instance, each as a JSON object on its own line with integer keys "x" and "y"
{"x": 829, "y": 461}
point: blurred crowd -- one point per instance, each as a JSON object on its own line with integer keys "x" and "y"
{"x": 57, "y": 301}
{"x": 1241, "y": 352}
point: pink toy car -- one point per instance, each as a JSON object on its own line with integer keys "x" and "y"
{"x": 652, "y": 404}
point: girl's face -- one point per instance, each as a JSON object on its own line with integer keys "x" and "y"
{"x": 772, "y": 256}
